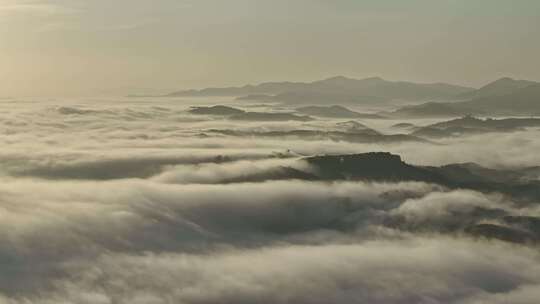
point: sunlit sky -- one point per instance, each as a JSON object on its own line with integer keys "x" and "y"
{"x": 83, "y": 47}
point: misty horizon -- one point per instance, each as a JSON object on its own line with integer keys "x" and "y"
{"x": 222, "y": 85}
{"x": 59, "y": 47}
{"x": 157, "y": 91}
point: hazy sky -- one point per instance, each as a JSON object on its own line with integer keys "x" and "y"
{"x": 72, "y": 47}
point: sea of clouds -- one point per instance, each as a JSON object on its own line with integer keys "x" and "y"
{"x": 121, "y": 201}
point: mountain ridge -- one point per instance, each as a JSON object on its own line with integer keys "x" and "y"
{"x": 337, "y": 88}
{"x": 501, "y": 86}
{"x": 524, "y": 101}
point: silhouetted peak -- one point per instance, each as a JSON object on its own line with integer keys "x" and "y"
{"x": 374, "y": 79}
{"x": 504, "y": 79}
{"x": 216, "y": 110}
{"x": 508, "y": 82}
{"x": 337, "y": 78}
{"x": 375, "y": 166}
{"x": 366, "y": 160}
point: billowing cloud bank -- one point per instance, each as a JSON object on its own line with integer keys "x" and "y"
{"x": 138, "y": 203}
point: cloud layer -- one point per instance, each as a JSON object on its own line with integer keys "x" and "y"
{"x": 138, "y": 203}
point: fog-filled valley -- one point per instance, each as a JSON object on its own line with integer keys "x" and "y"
{"x": 223, "y": 199}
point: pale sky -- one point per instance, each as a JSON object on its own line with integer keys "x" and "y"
{"x": 84, "y": 47}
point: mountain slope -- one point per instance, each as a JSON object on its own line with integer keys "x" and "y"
{"x": 470, "y": 125}
{"x": 386, "y": 167}
{"x": 335, "y": 112}
{"x": 335, "y": 89}
{"x": 431, "y": 109}
{"x": 521, "y": 102}
{"x": 524, "y": 101}
{"x": 502, "y": 86}
{"x": 219, "y": 110}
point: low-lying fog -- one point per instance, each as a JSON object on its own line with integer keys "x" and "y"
{"x": 141, "y": 201}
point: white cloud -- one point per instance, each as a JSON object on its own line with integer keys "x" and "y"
{"x": 129, "y": 202}
{"x": 415, "y": 270}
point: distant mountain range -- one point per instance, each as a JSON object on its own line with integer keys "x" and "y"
{"x": 471, "y": 125}
{"x": 350, "y": 131}
{"x": 335, "y": 90}
{"x": 237, "y": 114}
{"x": 505, "y": 96}
{"x": 335, "y": 111}
{"x": 502, "y": 86}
